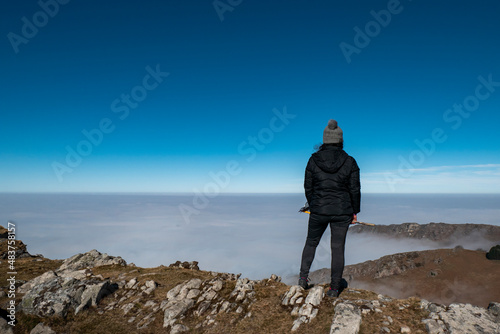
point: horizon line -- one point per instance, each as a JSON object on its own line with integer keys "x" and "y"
{"x": 231, "y": 193}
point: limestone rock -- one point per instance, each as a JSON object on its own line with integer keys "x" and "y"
{"x": 244, "y": 289}
{"x": 179, "y": 300}
{"x": 195, "y": 283}
{"x": 308, "y": 310}
{"x": 90, "y": 260}
{"x": 274, "y": 278}
{"x": 315, "y": 296}
{"x": 217, "y": 285}
{"x": 193, "y": 265}
{"x": 42, "y": 329}
{"x": 298, "y": 322}
{"x": 434, "y": 327}
{"x": 5, "y": 328}
{"x": 292, "y": 295}
{"x": 176, "y": 309}
{"x": 494, "y": 310}
{"x": 176, "y": 329}
{"x": 150, "y": 286}
{"x": 203, "y": 306}
{"x": 70, "y": 287}
{"x": 466, "y": 318}
{"x": 47, "y": 276}
{"x": 93, "y": 294}
{"x": 460, "y": 318}
{"x": 131, "y": 284}
{"x": 53, "y": 294}
{"x": 347, "y": 319}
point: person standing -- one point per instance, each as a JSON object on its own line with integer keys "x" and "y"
{"x": 333, "y": 192}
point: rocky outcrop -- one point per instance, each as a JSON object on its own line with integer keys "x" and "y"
{"x": 461, "y": 318}
{"x": 72, "y": 287}
{"x": 385, "y": 266}
{"x": 305, "y": 305}
{"x": 186, "y": 265}
{"x": 132, "y": 293}
{"x": 20, "y": 248}
{"x": 53, "y": 294}
{"x": 202, "y": 297}
{"x": 348, "y": 317}
{"x": 433, "y": 231}
{"x": 90, "y": 260}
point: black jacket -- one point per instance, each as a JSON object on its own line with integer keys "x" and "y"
{"x": 332, "y": 182}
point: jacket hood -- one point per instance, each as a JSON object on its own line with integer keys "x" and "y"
{"x": 330, "y": 159}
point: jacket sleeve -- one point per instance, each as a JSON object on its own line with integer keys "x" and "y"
{"x": 308, "y": 181}
{"x": 355, "y": 188}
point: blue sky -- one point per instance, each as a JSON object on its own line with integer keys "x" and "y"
{"x": 171, "y": 93}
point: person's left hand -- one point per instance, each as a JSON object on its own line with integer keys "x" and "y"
{"x": 354, "y": 219}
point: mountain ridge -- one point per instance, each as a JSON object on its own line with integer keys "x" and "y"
{"x": 431, "y": 231}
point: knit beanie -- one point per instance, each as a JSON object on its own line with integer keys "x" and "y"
{"x": 332, "y": 133}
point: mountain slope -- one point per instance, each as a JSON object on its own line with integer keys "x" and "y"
{"x": 443, "y": 276}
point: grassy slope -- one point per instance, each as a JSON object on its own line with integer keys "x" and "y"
{"x": 458, "y": 276}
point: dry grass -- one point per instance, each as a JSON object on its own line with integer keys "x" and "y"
{"x": 410, "y": 316}
{"x": 28, "y": 268}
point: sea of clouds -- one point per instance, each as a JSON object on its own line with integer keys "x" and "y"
{"x": 252, "y": 234}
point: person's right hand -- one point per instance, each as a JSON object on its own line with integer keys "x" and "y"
{"x": 354, "y": 219}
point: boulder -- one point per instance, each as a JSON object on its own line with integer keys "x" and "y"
{"x": 347, "y": 319}
{"x": 53, "y": 294}
{"x": 315, "y": 296}
{"x": 494, "y": 253}
{"x": 70, "y": 288}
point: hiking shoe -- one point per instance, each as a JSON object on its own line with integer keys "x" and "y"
{"x": 333, "y": 293}
{"x": 304, "y": 283}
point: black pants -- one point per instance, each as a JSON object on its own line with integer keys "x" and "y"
{"x": 317, "y": 226}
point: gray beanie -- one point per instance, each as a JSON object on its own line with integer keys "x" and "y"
{"x": 332, "y": 133}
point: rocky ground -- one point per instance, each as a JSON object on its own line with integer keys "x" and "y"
{"x": 98, "y": 293}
